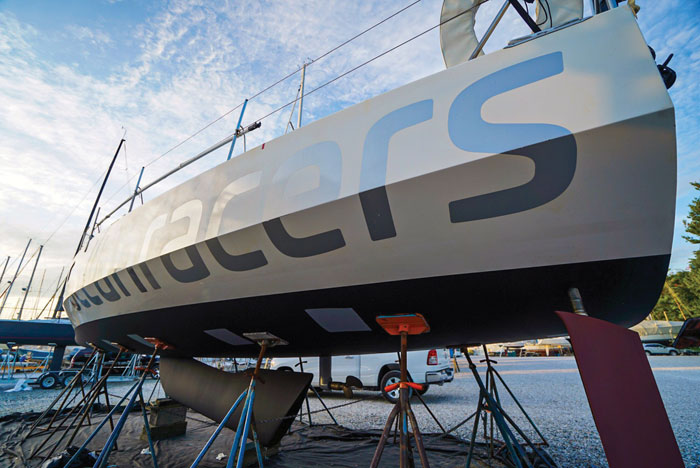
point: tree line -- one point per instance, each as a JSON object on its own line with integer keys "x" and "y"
{"x": 680, "y": 298}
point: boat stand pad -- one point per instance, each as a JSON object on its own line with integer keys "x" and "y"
{"x": 621, "y": 390}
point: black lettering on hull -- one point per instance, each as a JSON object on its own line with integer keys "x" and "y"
{"x": 243, "y": 262}
{"x": 299, "y": 247}
{"x": 198, "y": 271}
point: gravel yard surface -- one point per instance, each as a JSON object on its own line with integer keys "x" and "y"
{"x": 551, "y": 391}
{"x": 549, "y": 388}
{"x": 38, "y": 400}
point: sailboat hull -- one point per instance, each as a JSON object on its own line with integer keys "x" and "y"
{"x": 477, "y": 196}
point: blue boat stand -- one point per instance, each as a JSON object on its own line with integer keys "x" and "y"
{"x": 246, "y": 422}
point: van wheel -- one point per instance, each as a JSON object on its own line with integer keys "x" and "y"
{"x": 648, "y": 353}
{"x": 425, "y": 389}
{"x": 673, "y": 352}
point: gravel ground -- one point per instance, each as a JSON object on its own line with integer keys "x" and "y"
{"x": 551, "y": 391}
{"x": 38, "y": 400}
{"x": 549, "y": 388}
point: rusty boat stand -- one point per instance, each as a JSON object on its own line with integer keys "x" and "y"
{"x": 133, "y": 393}
{"x": 403, "y": 325}
{"x": 246, "y": 423}
{"x": 69, "y": 418}
{"x": 490, "y": 413}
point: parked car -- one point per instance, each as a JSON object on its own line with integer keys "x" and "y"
{"x": 376, "y": 371}
{"x": 78, "y": 356}
{"x": 656, "y": 348}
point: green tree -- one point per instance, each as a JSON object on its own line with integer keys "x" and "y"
{"x": 692, "y": 228}
{"x": 680, "y": 298}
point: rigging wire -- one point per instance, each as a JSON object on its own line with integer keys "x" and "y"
{"x": 126, "y": 168}
{"x": 369, "y": 61}
{"x": 60, "y": 284}
{"x": 284, "y": 78}
{"x": 363, "y": 32}
{"x": 19, "y": 272}
{"x": 75, "y": 207}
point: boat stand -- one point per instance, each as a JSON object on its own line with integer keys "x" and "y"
{"x": 308, "y": 407}
{"x": 64, "y": 397}
{"x": 489, "y": 410}
{"x": 403, "y": 325}
{"x": 81, "y": 411}
{"x": 246, "y": 423}
{"x": 133, "y": 392}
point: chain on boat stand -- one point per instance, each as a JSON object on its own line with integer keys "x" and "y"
{"x": 246, "y": 422}
{"x": 403, "y": 325}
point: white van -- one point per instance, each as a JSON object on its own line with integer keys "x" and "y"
{"x": 376, "y": 371}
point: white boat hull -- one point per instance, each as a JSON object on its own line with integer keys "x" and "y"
{"x": 477, "y": 196}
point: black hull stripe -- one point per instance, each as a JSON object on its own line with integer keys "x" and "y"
{"x": 461, "y": 309}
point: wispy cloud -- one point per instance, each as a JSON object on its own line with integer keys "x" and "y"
{"x": 83, "y": 33}
{"x": 166, "y": 73}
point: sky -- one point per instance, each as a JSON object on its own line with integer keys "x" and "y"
{"x": 76, "y": 76}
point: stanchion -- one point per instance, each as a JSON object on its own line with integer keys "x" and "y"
{"x": 403, "y": 325}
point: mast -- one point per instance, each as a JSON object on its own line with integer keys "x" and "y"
{"x": 2, "y": 275}
{"x": 31, "y": 278}
{"x": 12, "y": 283}
{"x": 58, "y": 286}
{"x": 38, "y": 294}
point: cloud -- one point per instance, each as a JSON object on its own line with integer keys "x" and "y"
{"x": 164, "y": 74}
{"x": 83, "y": 33}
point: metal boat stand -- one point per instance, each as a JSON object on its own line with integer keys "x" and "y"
{"x": 489, "y": 410}
{"x": 66, "y": 397}
{"x": 133, "y": 392}
{"x": 308, "y": 407}
{"x": 76, "y": 415}
{"x": 246, "y": 422}
{"x": 403, "y": 325}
